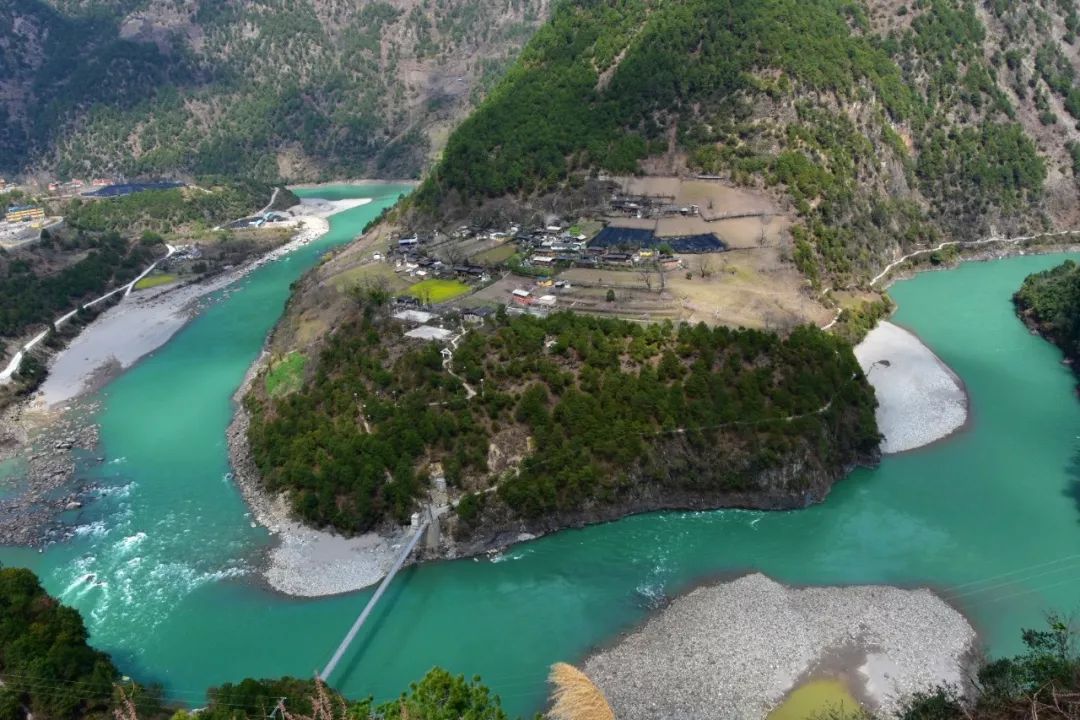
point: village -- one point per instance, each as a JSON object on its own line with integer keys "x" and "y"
{"x": 26, "y": 217}
{"x": 661, "y": 249}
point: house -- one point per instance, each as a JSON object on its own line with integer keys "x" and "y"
{"x": 472, "y": 270}
{"x": 519, "y": 293}
{"x": 547, "y": 301}
{"x": 477, "y": 315}
{"x": 408, "y": 242}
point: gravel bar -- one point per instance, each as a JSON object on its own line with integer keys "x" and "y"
{"x": 734, "y": 650}
{"x": 920, "y": 399}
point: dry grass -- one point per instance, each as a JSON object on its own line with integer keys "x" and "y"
{"x": 495, "y": 255}
{"x": 715, "y": 197}
{"x": 575, "y": 697}
{"x": 749, "y": 288}
{"x": 649, "y": 185}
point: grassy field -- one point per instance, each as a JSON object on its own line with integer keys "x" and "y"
{"x": 154, "y": 280}
{"x": 496, "y": 255}
{"x": 368, "y": 272}
{"x": 437, "y": 291}
{"x": 286, "y": 375}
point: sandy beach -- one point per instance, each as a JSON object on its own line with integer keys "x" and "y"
{"x": 920, "y": 399}
{"x": 145, "y": 320}
{"x": 735, "y": 649}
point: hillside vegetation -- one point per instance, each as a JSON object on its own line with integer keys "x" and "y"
{"x": 885, "y": 125}
{"x": 106, "y": 243}
{"x": 573, "y": 414}
{"x": 45, "y": 664}
{"x": 266, "y": 89}
{"x": 1049, "y": 302}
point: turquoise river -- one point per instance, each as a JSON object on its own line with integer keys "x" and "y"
{"x": 989, "y": 516}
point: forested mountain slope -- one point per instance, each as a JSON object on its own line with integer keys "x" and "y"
{"x": 272, "y": 89}
{"x": 885, "y": 125}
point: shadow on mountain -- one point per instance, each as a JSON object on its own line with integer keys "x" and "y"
{"x": 56, "y": 68}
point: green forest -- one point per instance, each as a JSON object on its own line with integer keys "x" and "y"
{"x": 45, "y": 664}
{"x": 28, "y": 299}
{"x": 614, "y": 409}
{"x": 750, "y": 90}
{"x": 1049, "y": 301}
{"x": 213, "y": 201}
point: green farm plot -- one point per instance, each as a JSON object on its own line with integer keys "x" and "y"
{"x": 151, "y": 281}
{"x": 286, "y": 375}
{"x": 437, "y": 291}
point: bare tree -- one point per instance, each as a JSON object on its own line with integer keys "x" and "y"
{"x": 763, "y": 238}
{"x": 324, "y": 706}
{"x": 645, "y": 273}
{"x": 703, "y": 263}
{"x": 452, "y": 254}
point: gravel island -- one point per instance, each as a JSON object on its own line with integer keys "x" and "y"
{"x": 735, "y": 649}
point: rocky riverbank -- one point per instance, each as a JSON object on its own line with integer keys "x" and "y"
{"x": 735, "y": 649}
{"x": 40, "y": 488}
{"x": 303, "y": 561}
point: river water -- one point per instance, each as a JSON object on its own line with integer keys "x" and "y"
{"x": 989, "y": 516}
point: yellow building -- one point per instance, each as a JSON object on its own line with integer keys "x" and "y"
{"x": 24, "y": 213}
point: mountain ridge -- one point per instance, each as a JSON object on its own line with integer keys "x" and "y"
{"x": 263, "y": 88}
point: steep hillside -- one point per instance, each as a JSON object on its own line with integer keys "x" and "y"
{"x": 884, "y": 125}
{"x": 271, "y": 89}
